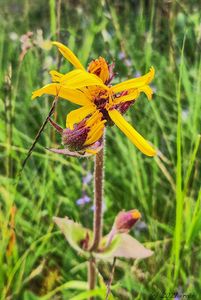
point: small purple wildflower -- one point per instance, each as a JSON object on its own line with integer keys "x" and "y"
{"x": 87, "y": 179}
{"x": 122, "y": 55}
{"x": 137, "y": 74}
{"x": 84, "y": 200}
{"x": 128, "y": 62}
{"x": 141, "y": 226}
{"x": 103, "y": 208}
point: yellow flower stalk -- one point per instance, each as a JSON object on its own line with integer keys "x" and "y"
{"x": 91, "y": 90}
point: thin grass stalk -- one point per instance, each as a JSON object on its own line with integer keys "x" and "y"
{"x": 52, "y": 18}
{"x": 110, "y": 279}
{"x": 174, "y": 262}
{"x": 58, "y": 59}
{"x": 38, "y": 135}
{"x": 179, "y": 194}
{"x": 8, "y": 120}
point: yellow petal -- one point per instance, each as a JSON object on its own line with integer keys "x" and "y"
{"x": 91, "y": 151}
{"x": 131, "y": 133}
{"x": 100, "y": 68}
{"x": 135, "y": 82}
{"x": 56, "y": 76}
{"x": 78, "y": 115}
{"x": 56, "y": 89}
{"x": 95, "y": 137}
{"x": 134, "y": 94}
{"x": 147, "y": 90}
{"x": 131, "y": 96}
{"x": 95, "y": 133}
{"x": 78, "y": 79}
{"x": 97, "y": 116}
{"x": 75, "y": 79}
{"x": 69, "y": 55}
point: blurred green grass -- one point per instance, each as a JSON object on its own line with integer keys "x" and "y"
{"x": 166, "y": 189}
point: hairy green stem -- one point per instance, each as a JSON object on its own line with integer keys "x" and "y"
{"x": 98, "y": 197}
{"x": 92, "y": 274}
{"x": 98, "y": 205}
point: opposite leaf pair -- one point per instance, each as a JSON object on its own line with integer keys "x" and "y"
{"x": 118, "y": 243}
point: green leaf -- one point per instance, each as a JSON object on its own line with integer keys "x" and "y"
{"x": 122, "y": 245}
{"x": 85, "y": 295}
{"x": 125, "y": 246}
{"x": 74, "y": 233}
{"x": 108, "y": 251}
{"x": 30, "y": 296}
{"x": 75, "y": 285}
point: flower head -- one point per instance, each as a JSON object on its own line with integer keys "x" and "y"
{"x": 98, "y": 99}
{"x": 83, "y": 137}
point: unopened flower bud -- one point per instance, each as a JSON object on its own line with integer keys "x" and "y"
{"x": 123, "y": 223}
{"x": 125, "y": 220}
{"x": 102, "y": 69}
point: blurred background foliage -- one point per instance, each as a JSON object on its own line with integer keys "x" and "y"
{"x": 35, "y": 260}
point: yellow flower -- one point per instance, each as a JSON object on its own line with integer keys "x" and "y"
{"x": 94, "y": 94}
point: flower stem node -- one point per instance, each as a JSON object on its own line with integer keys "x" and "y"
{"x": 121, "y": 245}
